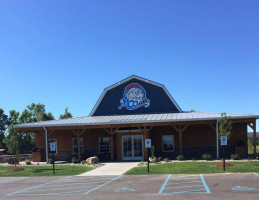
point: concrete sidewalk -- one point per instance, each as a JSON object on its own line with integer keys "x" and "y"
{"x": 111, "y": 168}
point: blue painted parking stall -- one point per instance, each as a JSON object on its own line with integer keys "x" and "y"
{"x": 67, "y": 186}
{"x": 184, "y": 185}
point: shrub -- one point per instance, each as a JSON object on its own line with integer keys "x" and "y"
{"x": 142, "y": 163}
{"x": 50, "y": 161}
{"x": 28, "y": 162}
{"x": 166, "y": 159}
{"x": 83, "y": 162}
{"x": 234, "y": 156}
{"x": 206, "y": 156}
{"x": 160, "y": 158}
{"x": 74, "y": 160}
{"x": 180, "y": 157}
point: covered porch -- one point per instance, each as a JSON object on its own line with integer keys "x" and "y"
{"x": 122, "y": 137}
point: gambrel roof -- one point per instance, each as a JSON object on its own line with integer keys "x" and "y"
{"x": 160, "y": 99}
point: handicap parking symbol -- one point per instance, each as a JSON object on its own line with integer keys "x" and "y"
{"x": 240, "y": 188}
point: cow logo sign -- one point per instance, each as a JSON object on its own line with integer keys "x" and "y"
{"x": 134, "y": 97}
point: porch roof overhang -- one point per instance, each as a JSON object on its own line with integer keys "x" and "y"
{"x": 131, "y": 120}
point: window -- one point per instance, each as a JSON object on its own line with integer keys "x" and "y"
{"x": 104, "y": 145}
{"x": 168, "y": 143}
{"x": 75, "y": 147}
{"x": 50, "y": 141}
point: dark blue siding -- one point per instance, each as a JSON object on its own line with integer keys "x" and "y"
{"x": 159, "y": 101}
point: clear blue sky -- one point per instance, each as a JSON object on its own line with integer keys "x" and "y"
{"x": 64, "y": 53}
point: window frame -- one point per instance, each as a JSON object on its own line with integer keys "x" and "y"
{"x": 104, "y": 145}
{"x": 56, "y": 141}
{"x": 167, "y": 143}
{"x": 81, "y": 147}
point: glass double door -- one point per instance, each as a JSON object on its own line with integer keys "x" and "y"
{"x": 132, "y": 147}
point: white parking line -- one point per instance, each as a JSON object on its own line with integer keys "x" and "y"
{"x": 66, "y": 186}
{"x": 17, "y": 179}
{"x": 178, "y": 185}
{"x": 37, "y": 186}
{"x": 103, "y": 184}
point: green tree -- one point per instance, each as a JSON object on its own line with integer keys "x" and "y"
{"x": 32, "y": 113}
{"x": 3, "y": 125}
{"x": 66, "y": 115}
{"x": 192, "y": 110}
{"x": 14, "y": 117}
{"x": 225, "y": 125}
{"x": 12, "y": 141}
{"x": 35, "y": 113}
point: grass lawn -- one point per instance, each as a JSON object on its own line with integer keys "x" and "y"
{"x": 195, "y": 168}
{"x": 60, "y": 170}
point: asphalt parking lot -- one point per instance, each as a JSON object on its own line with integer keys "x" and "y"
{"x": 211, "y": 186}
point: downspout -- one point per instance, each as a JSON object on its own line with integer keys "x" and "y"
{"x": 217, "y": 138}
{"x": 46, "y": 141}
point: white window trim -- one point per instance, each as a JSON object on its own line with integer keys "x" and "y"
{"x": 56, "y": 145}
{"x": 109, "y": 145}
{"x": 163, "y": 144}
{"x": 76, "y": 145}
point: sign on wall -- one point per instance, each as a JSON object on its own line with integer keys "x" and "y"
{"x": 148, "y": 143}
{"x": 224, "y": 140}
{"x": 134, "y": 97}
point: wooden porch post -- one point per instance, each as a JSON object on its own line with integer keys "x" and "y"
{"x": 111, "y": 144}
{"x": 180, "y": 130}
{"x": 78, "y": 134}
{"x": 78, "y": 146}
{"x": 145, "y": 131}
{"x": 181, "y": 140}
{"x": 111, "y": 132}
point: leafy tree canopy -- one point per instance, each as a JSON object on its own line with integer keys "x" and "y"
{"x": 66, "y": 115}
{"x": 225, "y": 125}
{"x": 14, "y": 117}
{"x": 4, "y": 122}
{"x": 12, "y": 140}
{"x": 35, "y": 113}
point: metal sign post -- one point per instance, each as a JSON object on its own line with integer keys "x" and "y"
{"x": 52, "y": 149}
{"x": 148, "y": 146}
{"x": 224, "y": 142}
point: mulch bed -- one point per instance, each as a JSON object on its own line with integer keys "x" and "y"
{"x": 226, "y": 164}
{"x": 15, "y": 169}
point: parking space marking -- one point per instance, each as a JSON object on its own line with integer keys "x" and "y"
{"x": 37, "y": 186}
{"x": 16, "y": 179}
{"x": 163, "y": 186}
{"x": 67, "y": 186}
{"x": 256, "y": 174}
{"x": 184, "y": 185}
{"x": 103, "y": 184}
{"x": 205, "y": 185}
